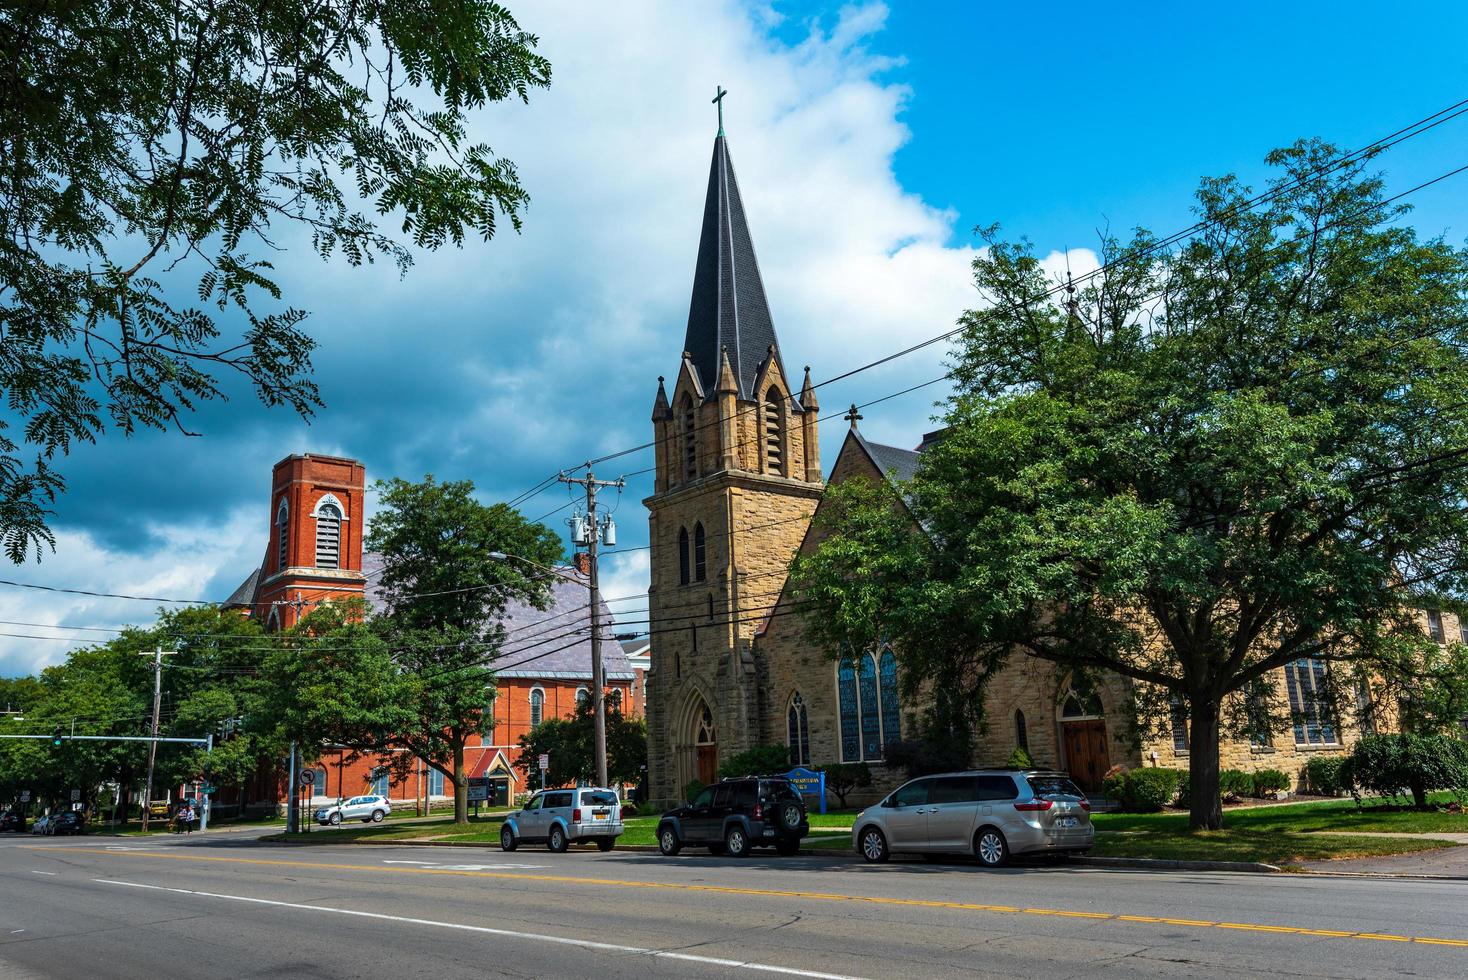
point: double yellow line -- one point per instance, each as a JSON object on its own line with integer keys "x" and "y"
{"x": 778, "y": 893}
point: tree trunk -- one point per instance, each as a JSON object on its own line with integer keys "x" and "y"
{"x": 1205, "y": 807}
{"x": 461, "y": 786}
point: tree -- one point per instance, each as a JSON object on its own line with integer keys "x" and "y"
{"x": 761, "y": 760}
{"x": 445, "y": 592}
{"x": 156, "y": 149}
{"x": 844, "y": 777}
{"x": 1213, "y": 461}
{"x": 570, "y": 744}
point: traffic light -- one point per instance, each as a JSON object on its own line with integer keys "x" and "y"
{"x": 56, "y": 737}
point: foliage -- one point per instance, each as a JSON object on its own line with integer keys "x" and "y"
{"x": 1419, "y": 764}
{"x": 1142, "y": 790}
{"x": 1019, "y": 759}
{"x": 1235, "y": 783}
{"x": 570, "y": 743}
{"x": 1268, "y": 781}
{"x": 157, "y": 150}
{"x": 1325, "y": 775}
{"x": 844, "y": 777}
{"x": 1208, "y": 463}
{"x": 692, "y": 788}
{"x": 1427, "y": 685}
{"x": 761, "y": 760}
{"x": 924, "y": 756}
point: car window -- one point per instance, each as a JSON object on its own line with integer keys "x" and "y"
{"x": 355, "y": 801}
{"x": 558, "y": 799}
{"x": 914, "y": 793}
{"x": 721, "y": 795}
{"x": 778, "y": 789}
{"x": 955, "y": 789}
{"x": 744, "y": 794}
{"x": 997, "y": 788}
{"x": 1045, "y": 787}
{"x": 598, "y": 797}
{"x": 706, "y": 798}
{"x": 534, "y": 803}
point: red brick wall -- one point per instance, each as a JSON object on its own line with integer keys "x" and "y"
{"x": 301, "y": 481}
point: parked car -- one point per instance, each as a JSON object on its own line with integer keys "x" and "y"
{"x": 12, "y": 820}
{"x": 989, "y": 814}
{"x": 39, "y": 827}
{"x": 368, "y": 809}
{"x": 560, "y": 817}
{"x": 66, "y": 823}
{"x": 734, "y": 815}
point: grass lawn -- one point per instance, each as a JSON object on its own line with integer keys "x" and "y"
{"x": 1270, "y": 847}
{"x": 1329, "y": 815}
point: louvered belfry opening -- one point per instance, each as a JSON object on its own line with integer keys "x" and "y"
{"x": 282, "y": 540}
{"x": 773, "y": 454}
{"x": 328, "y": 536}
{"x": 690, "y": 442}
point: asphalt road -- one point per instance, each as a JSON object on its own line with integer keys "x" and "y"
{"x": 228, "y": 906}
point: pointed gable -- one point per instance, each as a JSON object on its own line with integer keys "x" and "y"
{"x": 728, "y": 309}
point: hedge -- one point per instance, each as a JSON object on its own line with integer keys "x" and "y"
{"x": 1325, "y": 775}
{"x": 1388, "y": 765}
{"x": 1144, "y": 790}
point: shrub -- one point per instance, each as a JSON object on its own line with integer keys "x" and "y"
{"x": 841, "y": 779}
{"x": 692, "y": 788}
{"x": 1271, "y": 781}
{"x": 1419, "y": 764}
{"x": 762, "y": 760}
{"x": 1234, "y": 783}
{"x": 1151, "y": 789}
{"x": 1113, "y": 784}
{"x": 1019, "y": 759}
{"x": 1325, "y": 775}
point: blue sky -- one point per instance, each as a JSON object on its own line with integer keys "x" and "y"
{"x": 868, "y": 141}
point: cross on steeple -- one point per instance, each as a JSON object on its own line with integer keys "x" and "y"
{"x": 852, "y": 416}
{"x": 718, "y": 100}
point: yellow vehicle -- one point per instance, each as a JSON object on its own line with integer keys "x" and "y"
{"x": 158, "y": 808}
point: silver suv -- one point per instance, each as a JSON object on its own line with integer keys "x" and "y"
{"x": 368, "y": 809}
{"x": 562, "y": 816}
{"x": 989, "y": 814}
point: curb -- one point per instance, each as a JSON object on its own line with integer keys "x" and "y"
{"x": 1158, "y": 864}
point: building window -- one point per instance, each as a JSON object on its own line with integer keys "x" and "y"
{"x": 1435, "y": 625}
{"x": 690, "y": 439}
{"x": 1462, "y": 628}
{"x": 282, "y": 534}
{"x": 870, "y": 709}
{"x": 537, "y": 706}
{"x": 1021, "y": 732}
{"x": 1178, "y": 716}
{"x": 683, "y": 556}
{"x": 700, "y": 564}
{"x": 798, "y": 731}
{"x": 774, "y": 412}
{"x": 581, "y": 695}
{"x": 328, "y": 536}
{"x": 380, "y": 783}
{"x": 1309, "y": 704}
{"x": 435, "y": 782}
{"x": 319, "y": 788}
{"x": 1082, "y": 704}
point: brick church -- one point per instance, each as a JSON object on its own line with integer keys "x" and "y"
{"x": 738, "y": 480}
{"x": 314, "y": 554}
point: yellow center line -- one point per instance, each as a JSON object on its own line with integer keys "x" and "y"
{"x": 767, "y": 892}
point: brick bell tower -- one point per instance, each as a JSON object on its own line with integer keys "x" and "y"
{"x": 738, "y": 476}
{"x": 315, "y": 549}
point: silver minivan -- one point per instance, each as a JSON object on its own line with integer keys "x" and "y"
{"x": 989, "y": 814}
{"x": 560, "y": 817}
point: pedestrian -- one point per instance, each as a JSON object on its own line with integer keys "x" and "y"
{"x": 186, "y": 817}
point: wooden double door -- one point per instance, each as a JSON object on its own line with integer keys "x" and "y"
{"x": 1087, "y": 755}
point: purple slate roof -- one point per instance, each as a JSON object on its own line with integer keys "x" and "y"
{"x": 553, "y": 643}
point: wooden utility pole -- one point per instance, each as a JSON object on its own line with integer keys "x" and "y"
{"x": 158, "y": 654}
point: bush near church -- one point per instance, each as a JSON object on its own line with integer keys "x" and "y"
{"x": 1325, "y": 775}
{"x": 1269, "y": 782}
{"x": 1143, "y": 790}
{"x": 1420, "y": 764}
{"x": 1235, "y": 784}
{"x": 844, "y": 777}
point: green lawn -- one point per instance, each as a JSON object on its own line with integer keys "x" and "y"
{"x": 1269, "y": 847}
{"x": 1331, "y": 815}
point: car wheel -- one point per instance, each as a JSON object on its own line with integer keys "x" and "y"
{"x": 874, "y": 846}
{"x": 787, "y": 846}
{"x": 991, "y": 848}
{"x": 668, "y": 842}
{"x": 378, "y": 816}
{"x": 557, "y": 840}
{"x": 736, "y": 842}
{"x": 507, "y": 839}
{"x": 605, "y": 843}
{"x": 336, "y": 819}
{"x": 790, "y": 816}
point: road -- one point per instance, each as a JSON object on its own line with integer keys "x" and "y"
{"x": 230, "y": 906}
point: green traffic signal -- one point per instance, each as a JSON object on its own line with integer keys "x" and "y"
{"x": 56, "y": 737}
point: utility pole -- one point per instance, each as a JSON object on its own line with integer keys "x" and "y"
{"x": 593, "y": 532}
{"x": 158, "y": 654}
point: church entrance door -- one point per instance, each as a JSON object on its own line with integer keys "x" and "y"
{"x": 1086, "y": 754}
{"x": 706, "y": 748}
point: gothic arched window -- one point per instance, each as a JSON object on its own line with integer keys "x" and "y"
{"x": 1021, "y": 731}
{"x": 581, "y": 695}
{"x": 798, "y": 731}
{"x": 282, "y": 534}
{"x": 537, "y": 706}
{"x": 700, "y": 566}
{"x": 683, "y": 556}
{"x": 774, "y": 430}
{"x": 869, "y": 705}
{"x": 328, "y": 536}
{"x": 891, "y": 706}
{"x": 690, "y": 438}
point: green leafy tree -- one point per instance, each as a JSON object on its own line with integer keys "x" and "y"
{"x": 1212, "y": 461}
{"x": 761, "y": 760}
{"x": 570, "y": 743}
{"x": 845, "y": 777}
{"x": 158, "y": 149}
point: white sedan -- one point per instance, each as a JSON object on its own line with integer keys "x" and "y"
{"x": 368, "y": 809}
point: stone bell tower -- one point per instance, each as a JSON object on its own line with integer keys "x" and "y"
{"x": 738, "y": 475}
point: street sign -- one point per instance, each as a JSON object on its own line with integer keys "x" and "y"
{"x": 207, "y": 788}
{"x": 25, "y": 796}
{"x": 544, "y": 761}
{"x": 308, "y": 777}
{"x": 76, "y": 806}
{"x": 478, "y": 789}
{"x": 76, "y": 794}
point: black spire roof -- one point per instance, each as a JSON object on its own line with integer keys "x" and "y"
{"x": 728, "y": 309}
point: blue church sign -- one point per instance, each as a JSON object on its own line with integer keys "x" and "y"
{"x": 808, "y": 782}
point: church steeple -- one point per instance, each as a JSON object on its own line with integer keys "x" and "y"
{"x": 728, "y": 309}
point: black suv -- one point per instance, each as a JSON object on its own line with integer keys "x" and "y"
{"x": 12, "y": 820}
{"x": 734, "y": 815}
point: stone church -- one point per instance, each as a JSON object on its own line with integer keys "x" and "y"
{"x": 738, "y": 480}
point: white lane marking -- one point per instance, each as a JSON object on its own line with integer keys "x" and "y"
{"x": 508, "y": 933}
{"x": 16, "y": 932}
{"x": 473, "y": 867}
{"x": 51, "y": 873}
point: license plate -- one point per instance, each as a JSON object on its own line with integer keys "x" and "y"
{"x": 1066, "y": 822}
{"x": 598, "y": 816}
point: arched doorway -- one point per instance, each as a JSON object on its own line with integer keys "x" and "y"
{"x": 705, "y": 744}
{"x": 1083, "y": 738}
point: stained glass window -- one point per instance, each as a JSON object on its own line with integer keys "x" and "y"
{"x": 1309, "y": 708}
{"x": 891, "y": 705}
{"x": 871, "y": 719}
{"x": 798, "y": 724}
{"x": 846, "y": 696}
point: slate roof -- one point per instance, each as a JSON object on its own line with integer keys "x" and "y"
{"x": 552, "y": 643}
{"x": 728, "y": 308}
{"x": 890, "y": 459}
{"x": 245, "y": 594}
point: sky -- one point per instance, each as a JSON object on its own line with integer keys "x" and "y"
{"x": 869, "y": 142}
